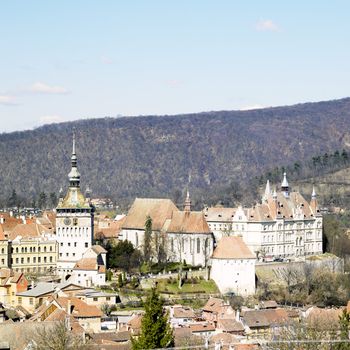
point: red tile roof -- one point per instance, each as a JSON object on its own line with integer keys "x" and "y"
{"x": 232, "y": 247}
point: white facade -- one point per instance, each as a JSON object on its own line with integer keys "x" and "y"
{"x": 74, "y": 223}
{"x": 283, "y": 225}
{"x": 233, "y": 267}
{"x": 195, "y": 249}
{"x": 234, "y": 275}
{"x": 88, "y": 278}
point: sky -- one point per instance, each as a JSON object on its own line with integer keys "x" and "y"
{"x": 67, "y": 60}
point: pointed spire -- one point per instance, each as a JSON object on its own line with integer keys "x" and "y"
{"x": 313, "y": 195}
{"x": 74, "y": 176}
{"x": 285, "y": 185}
{"x": 267, "y": 191}
{"x": 187, "y": 206}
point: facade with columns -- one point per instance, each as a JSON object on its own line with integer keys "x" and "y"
{"x": 283, "y": 225}
{"x": 74, "y": 223}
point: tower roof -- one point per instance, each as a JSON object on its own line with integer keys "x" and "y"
{"x": 74, "y": 197}
{"x": 285, "y": 182}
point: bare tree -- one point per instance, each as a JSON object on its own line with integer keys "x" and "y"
{"x": 57, "y": 337}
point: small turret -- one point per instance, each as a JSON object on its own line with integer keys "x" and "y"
{"x": 285, "y": 186}
{"x": 74, "y": 175}
{"x": 187, "y": 204}
{"x": 267, "y": 191}
{"x": 313, "y": 202}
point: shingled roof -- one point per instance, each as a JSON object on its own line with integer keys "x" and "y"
{"x": 158, "y": 209}
{"x": 232, "y": 248}
{"x": 188, "y": 222}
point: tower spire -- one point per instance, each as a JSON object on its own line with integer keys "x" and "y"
{"x": 187, "y": 206}
{"x": 74, "y": 176}
{"x": 285, "y": 185}
{"x": 267, "y": 191}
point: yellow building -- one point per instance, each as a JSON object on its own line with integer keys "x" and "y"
{"x": 4, "y": 249}
{"x": 33, "y": 249}
{"x": 11, "y": 283}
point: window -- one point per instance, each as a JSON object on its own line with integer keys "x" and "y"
{"x": 95, "y": 299}
{"x": 75, "y": 221}
{"x": 51, "y": 258}
{"x": 51, "y": 248}
{"x": 108, "y": 298}
{"x": 30, "y": 301}
{"x": 16, "y": 250}
{"x": 34, "y": 260}
{"x": 67, "y": 254}
{"x": 2, "y": 250}
{"x": 22, "y": 260}
{"x": 16, "y": 260}
{"x": 61, "y": 244}
{"x": 19, "y": 300}
{"x": 45, "y": 249}
{"x": 60, "y": 254}
{"x": 45, "y": 259}
{"x": 75, "y": 244}
{"x": 86, "y": 244}
{"x": 39, "y": 259}
{"x": 28, "y": 260}
{"x": 198, "y": 246}
{"x": 68, "y": 244}
{"x": 3, "y": 261}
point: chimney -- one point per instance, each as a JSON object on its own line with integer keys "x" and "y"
{"x": 69, "y": 307}
{"x": 237, "y": 315}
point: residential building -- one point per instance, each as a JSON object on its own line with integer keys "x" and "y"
{"x": 233, "y": 267}
{"x": 90, "y": 270}
{"x": 33, "y": 248}
{"x": 74, "y": 223}
{"x": 11, "y": 283}
{"x": 32, "y": 298}
{"x": 283, "y": 225}
{"x": 4, "y": 249}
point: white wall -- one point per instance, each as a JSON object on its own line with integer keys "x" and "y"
{"x": 234, "y": 275}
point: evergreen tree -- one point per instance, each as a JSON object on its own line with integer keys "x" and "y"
{"x": 148, "y": 239}
{"x": 155, "y": 328}
{"x": 53, "y": 200}
{"x": 344, "y": 323}
{"x": 42, "y": 200}
{"x": 13, "y": 199}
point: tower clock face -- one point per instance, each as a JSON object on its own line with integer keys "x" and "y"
{"x": 67, "y": 221}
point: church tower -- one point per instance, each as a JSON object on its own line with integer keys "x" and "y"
{"x": 74, "y": 222}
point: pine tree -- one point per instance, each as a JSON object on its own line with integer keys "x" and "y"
{"x": 155, "y": 328}
{"x": 344, "y": 323}
{"x": 148, "y": 239}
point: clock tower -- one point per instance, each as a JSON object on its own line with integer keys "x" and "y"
{"x": 74, "y": 223}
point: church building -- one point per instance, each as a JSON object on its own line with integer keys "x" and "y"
{"x": 74, "y": 223}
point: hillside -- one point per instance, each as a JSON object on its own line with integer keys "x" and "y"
{"x": 157, "y": 156}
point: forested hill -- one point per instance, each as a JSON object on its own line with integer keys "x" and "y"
{"x": 159, "y": 155}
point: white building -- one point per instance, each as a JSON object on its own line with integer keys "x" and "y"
{"x": 233, "y": 267}
{"x": 74, "y": 223}
{"x": 185, "y": 235}
{"x": 90, "y": 270}
{"x": 283, "y": 225}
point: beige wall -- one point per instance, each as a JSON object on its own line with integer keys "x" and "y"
{"x": 34, "y": 256}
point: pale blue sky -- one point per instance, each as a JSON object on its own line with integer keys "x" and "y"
{"x": 65, "y": 60}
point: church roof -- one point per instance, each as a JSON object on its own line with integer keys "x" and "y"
{"x": 188, "y": 222}
{"x": 157, "y": 208}
{"x": 232, "y": 248}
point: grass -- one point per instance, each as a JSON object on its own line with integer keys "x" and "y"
{"x": 202, "y": 286}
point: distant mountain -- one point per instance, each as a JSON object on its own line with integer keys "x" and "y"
{"x": 159, "y": 155}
